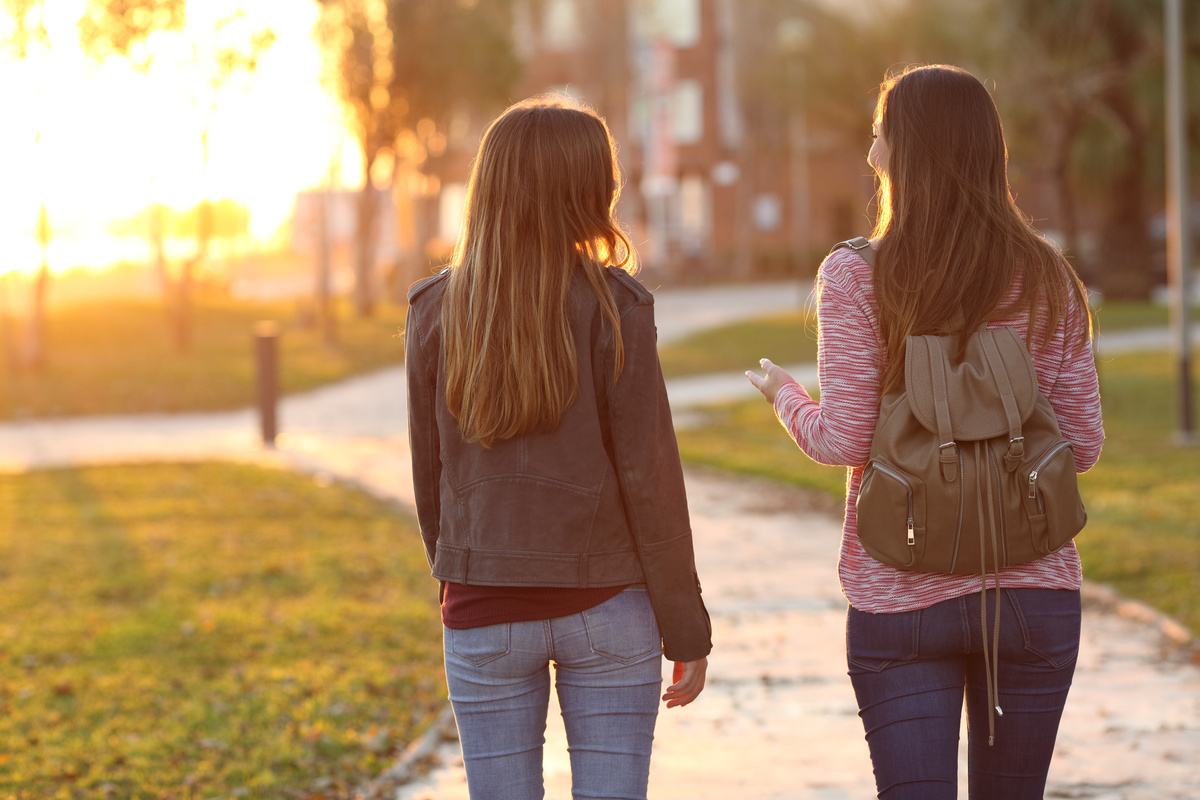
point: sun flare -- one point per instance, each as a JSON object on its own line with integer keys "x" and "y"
{"x": 98, "y": 143}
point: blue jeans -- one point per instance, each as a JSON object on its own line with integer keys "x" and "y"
{"x": 608, "y": 673}
{"x": 910, "y": 671}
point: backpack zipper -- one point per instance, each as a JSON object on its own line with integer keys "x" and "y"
{"x": 1033, "y": 475}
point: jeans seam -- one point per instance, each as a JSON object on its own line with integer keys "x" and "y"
{"x": 964, "y": 620}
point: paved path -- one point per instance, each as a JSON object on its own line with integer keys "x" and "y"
{"x": 778, "y": 719}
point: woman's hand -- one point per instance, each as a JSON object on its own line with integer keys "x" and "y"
{"x": 688, "y": 677}
{"x": 770, "y": 383}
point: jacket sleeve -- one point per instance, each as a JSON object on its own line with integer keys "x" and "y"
{"x": 646, "y": 459}
{"x": 421, "y": 374}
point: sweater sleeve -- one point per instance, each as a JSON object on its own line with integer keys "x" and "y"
{"x": 1075, "y": 398}
{"x": 838, "y": 429}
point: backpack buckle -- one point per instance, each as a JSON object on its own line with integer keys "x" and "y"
{"x": 948, "y": 455}
{"x": 1016, "y": 451}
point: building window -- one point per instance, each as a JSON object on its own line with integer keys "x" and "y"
{"x": 680, "y": 21}
{"x": 688, "y": 111}
{"x": 673, "y": 21}
{"x": 768, "y": 212}
{"x": 523, "y": 38}
{"x": 450, "y": 211}
{"x": 560, "y": 25}
{"x": 694, "y": 214}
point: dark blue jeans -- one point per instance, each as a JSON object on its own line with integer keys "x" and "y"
{"x": 910, "y": 671}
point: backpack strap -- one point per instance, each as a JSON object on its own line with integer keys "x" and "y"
{"x": 1016, "y": 442}
{"x": 947, "y": 449}
{"x": 860, "y": 245}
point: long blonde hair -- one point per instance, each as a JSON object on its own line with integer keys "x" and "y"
{"x": 539, "y": 210}
{"x": 951, "y": 238}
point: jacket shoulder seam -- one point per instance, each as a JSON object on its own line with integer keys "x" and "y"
{"x": 641, "y": 294}
{"x": 420, "y": 286}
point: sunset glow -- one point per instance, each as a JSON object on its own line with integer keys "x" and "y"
{"x": 99, "y": 143}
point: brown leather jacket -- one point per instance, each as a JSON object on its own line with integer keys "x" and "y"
{"x": 599, "y": 501}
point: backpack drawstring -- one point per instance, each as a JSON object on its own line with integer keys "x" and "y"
{"x": 991, "y": 670}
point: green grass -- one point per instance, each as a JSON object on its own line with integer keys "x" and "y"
{"x": 118, "y": 358}
{"x": 745, "y": 437}
{"x": 1118, "y": 315}
{"x": 785, "y": 339}
{"x": 1143, "y": 532}
{"x": 792, "y": 338}
{"x": 204, "y": 631}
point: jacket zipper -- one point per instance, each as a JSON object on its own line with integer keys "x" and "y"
{"x": 1033, "y": 475}
{"x": 912, "y": 537}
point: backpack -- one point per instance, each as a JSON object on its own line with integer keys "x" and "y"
{"x": 968, "y": 471}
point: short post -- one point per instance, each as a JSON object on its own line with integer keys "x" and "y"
{"x": 266, "y": 349}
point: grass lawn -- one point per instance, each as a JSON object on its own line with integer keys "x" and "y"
{"x": 117, "y": 358}
{"x": 785, "y": 338}
{"x": 1143, "y": 533}
{"x": 792, "y": 339}
{"x": 204, "y": 631}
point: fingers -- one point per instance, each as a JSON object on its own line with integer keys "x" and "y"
{"x": 769, "y": 383}
{"x": 689, "y": 682}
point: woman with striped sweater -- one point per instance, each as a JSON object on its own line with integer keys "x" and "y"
{"x": 952, "y": 251}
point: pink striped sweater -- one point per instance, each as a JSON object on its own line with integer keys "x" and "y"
{"x": 837, "y": 430}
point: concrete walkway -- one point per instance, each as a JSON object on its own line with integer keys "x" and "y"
{"x": 778, "y": 719}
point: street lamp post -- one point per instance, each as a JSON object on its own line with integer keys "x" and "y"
{"x": 1178, "y": 208}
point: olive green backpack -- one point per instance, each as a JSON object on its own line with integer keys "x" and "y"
{"x": 968, "y": 471}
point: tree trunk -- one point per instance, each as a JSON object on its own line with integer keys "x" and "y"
{"x": 34, "y": 356}
{"x": 8, "y": 328}
{"x": 1063, "y": 135}
{"x": 158, "y": 241}
{"x": 326, "y": 318}
{"x": 182, "y": 309}
{"x": 1124, "y": 257}
{"x": 407, "y": 272}
{"x": 364, "y": 250}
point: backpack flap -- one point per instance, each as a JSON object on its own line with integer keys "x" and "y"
{"x": 971, "y": 408}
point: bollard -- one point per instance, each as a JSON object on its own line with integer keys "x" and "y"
{"x": 266, "y": 339}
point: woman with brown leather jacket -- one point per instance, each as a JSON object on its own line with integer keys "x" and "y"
{"x": 548, "y": 485}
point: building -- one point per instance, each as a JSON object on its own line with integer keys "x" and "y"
{"x": 717, "y": 185}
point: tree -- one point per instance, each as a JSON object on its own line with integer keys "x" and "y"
{"x": 226, "y": 220}
{"x": 122, "y": 28}
{"x": 404, "y": 68}
{"x": 28, "y": 38}
{"x": 809, "y": 75}
{"x": 357, "y": 43}
{"x": 1087, "y": 67}
{"x": 1079, "y": 87}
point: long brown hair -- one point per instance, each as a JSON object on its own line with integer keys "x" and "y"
{"x": 951, "y": 238}
{"x": 539, "y": 210}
